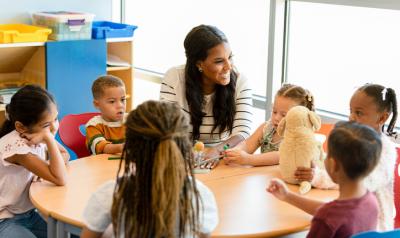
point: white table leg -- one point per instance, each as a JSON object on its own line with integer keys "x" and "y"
{"x": 51, "y": 227}
{"x": 61, "y": 232}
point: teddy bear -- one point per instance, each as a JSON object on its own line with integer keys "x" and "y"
{"x": 299, "y": 146}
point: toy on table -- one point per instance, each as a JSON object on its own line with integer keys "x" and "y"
{"x": 299, "y": 146}
{"x": 219, "y": 157}
{"x": 198, "y": 152}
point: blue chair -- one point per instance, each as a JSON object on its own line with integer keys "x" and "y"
{"x": 374, "y": 234}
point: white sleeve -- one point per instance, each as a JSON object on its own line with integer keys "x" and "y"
{"x": 244, "y": 108}
{"x": 168, "y": 91}
{"x": 382, "y": 175}
{"x": 208, "y": 209}
{"x": 97, "y": 213}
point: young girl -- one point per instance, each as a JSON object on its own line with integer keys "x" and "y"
{"x": 29, "y": 129}
{"x": 156, "y": 195}
{"x": 266, "y": 136}
{"x": 372, "y": 105}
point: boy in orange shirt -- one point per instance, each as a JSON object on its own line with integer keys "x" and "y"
{"x": 105, "y": 134}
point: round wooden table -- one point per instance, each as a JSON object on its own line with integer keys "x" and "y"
{"x": 245, "y": 208}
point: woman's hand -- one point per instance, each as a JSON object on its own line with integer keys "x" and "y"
{"x": 211, "y": 153}
{"x": 305, "y": 174}
{"x": 278, "y": 188}
{"x": 236, "y": 156}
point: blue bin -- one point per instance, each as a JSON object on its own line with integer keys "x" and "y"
{"x": 107, "y": 29}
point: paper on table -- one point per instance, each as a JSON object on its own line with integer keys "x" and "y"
{"x": 113, "y": 60}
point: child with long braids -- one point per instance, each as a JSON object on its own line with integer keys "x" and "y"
{"x": 372, "y": 105}
{"x": 266, "y": 136}
{"x": 155, "y": 196}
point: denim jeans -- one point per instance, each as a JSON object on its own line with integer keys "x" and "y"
{"x": 27, "y": 225}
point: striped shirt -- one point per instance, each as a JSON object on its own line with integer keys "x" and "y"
{"x": 100, "y": 132}
{"x": 173, "y": 90}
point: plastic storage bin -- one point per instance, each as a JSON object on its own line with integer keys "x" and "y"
{"x": 107, "y": 29}
{"x": 66, "y": 25}
{"x": 15, "y": 33}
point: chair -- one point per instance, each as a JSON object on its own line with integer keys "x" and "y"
{"x": 71, "y": 135}
{"x": 374, "y": 234}
{"x": 397, "y": 190}
{"x": 325, "y": 130}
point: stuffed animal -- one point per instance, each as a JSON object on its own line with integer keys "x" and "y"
{"x": 299, "y": 146}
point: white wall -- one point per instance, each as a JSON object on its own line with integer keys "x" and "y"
{"x": 19, "y": 11}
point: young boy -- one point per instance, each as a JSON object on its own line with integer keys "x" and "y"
{"x": 353, "y": 152}
{"x": 105, "y": 134}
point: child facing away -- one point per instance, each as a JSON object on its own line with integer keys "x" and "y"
{"x": 26, "y": 136}
{"x": 266, "y": 136}
{"x": 372, "y": 105}
{"x": 105, "y": 134}
{"x": 353, "y": 152}
{"x": 143, "y": 202}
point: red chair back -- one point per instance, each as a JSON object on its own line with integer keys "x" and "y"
{"x": 71, "y": 135}
{"x": 397, "y": 189}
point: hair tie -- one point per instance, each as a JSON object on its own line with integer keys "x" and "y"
{"x": 309, "y": 98}
{"x": 384, "y": 91}
{"x": 170, "y": 136}
{"x": 166, "y": 137}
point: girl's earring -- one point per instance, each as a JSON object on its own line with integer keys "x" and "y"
{"x": 200, "y": 70}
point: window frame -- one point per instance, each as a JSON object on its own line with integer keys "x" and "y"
{"x": 278, "y": 50}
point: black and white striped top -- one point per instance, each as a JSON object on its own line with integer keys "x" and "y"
{"x": 173, "y": 90}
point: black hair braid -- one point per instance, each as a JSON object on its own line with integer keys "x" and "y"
{"x": 393, "y": 101}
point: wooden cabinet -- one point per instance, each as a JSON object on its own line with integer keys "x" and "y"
{"x": 122, "y": 48}
{"x": 66, "y": 68}
{"x": 20, "y": 64}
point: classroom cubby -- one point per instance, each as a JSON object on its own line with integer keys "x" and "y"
{"x": 20, "y": 64}
{"x": 123, "y": 49}
{"x": 66, "y": 68}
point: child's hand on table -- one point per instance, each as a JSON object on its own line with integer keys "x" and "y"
{"x": 278, "y": 188}
{"x": 236, "y": 156}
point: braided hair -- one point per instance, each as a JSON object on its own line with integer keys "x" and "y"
{"x": 154, "y": 196}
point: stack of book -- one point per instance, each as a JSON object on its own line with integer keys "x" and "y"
{"x": 6, "y": 94}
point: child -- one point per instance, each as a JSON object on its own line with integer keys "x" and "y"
{"x": 353, "y": 152}
{"x": 372, "y": 105}
{"x": 266, "y": 136}
{"x": 105, "y": 133}
{"x": 144, "y": 202}
{"x": 26, "y": 135}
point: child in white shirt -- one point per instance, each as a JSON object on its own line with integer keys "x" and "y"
{"x": 26, "y": 136}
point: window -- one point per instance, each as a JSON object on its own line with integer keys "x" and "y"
{"x": 333, "y": 49}
{"x": 163, "y": 26}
